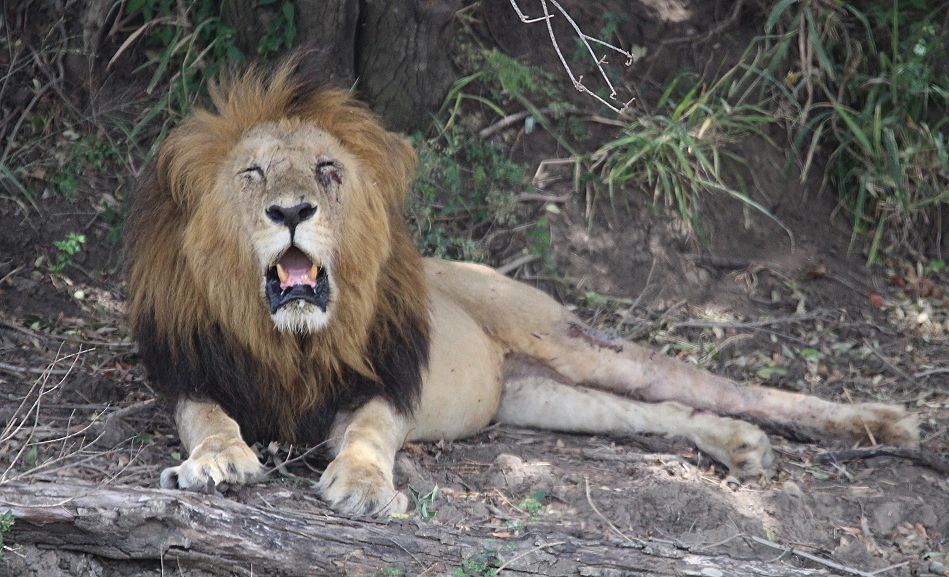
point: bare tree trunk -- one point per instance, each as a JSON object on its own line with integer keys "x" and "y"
{"x": 403, "y": 60}
{"x": 393, "y": 52}
{"x": 327, "y": 28}
{"x": 224, "y": 537}
{"x": 242, "y": 17}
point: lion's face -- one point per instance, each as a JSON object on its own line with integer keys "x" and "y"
{"x": 291, "y": 184}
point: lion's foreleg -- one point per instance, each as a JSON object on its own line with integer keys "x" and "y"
{"x": 543, "y": 403}
{"x": 216, "y": 452}
{"x": 359, "y": 479}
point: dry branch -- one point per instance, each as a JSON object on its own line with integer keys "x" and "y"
{"x": 225, "y": 537}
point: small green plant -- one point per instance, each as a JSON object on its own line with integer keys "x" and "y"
{"x": 6, "y": 524}
{"x": 873, "y": 91}
{"x": 84, "y": 153}
{"x": 66, "y": 249}
{"x": 485, "y": 564}
{"x": 533, "y": 503}
{"x": 425, "y": 503}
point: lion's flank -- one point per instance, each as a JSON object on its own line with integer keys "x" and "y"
{"x": 194, "y": 302}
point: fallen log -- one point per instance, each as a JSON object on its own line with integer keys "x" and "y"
{"x": 225, "y": 537}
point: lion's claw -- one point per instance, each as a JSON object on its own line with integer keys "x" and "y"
{"x": 214, "y": 462}
{"x": 357, "y": 486}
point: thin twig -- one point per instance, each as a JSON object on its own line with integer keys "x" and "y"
{"x": 700, "y": 324}
{"x": 540, "y": 197}
{"x": 526, "y": 553}
{"x": 890, "y": 568}
{"x": 299, "y": 457}
{"x": 804, "y": 554}
{"x": 899, "y": 372}
{"x": 652, "y": 269}
{"x": 931, "y": 372}
{"x": 577, "y": 81}
{"x": 934, "y": 462}
{"x": 507, "y": 121}
{"x": 33, "y": 370}
{"x": 586, "y": 482}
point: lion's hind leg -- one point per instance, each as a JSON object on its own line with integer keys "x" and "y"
{"x": 534, "y": 396}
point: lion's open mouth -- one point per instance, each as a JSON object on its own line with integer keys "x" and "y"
{"x": 296, "y": 277}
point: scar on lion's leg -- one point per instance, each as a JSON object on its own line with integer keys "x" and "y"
{"x": 594, "y": 337}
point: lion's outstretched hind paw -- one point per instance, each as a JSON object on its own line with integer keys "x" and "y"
{"x": 750, "y": 455}
{"x": 742, "y": 447}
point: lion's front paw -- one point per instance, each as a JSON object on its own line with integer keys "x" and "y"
{"x": 357, "y": 485}
{"x": 214, "y": 461}
{"x": 742, "y": 447}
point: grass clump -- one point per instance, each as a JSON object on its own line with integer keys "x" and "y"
{"x": 680, "y": 150}
{"x": 871, "y": 90}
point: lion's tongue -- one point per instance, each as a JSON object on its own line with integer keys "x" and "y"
{"x": 294, "y": 268}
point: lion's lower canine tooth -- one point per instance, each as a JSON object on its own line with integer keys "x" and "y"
{"x": 314, "y": 272}
{"x": 282, "y": 274}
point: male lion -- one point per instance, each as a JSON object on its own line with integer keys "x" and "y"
{"x": 276, "y": 294}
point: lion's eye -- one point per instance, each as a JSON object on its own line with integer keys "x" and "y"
{"x": 328, "y": 171}
{"x": 254, "y": 173}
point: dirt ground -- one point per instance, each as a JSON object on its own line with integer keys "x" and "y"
{"x": 753, "y": 305}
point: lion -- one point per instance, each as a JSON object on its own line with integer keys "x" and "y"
{"x": 276, "y": 294}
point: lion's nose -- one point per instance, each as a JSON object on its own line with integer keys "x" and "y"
{"x": 290, "y": 216}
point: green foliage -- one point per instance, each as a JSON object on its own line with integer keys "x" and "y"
{"x": 679, "y": 151}
{"x": 187, "y": 49}
{"x": 66, "y": 249}
{"x": 508, "y": 79}
{"x": 467, "y": 186}
{"x": 463, "y": 186}
{"x": 485, "y": 564}
{"x": 281, "y": 32}
{"x": 6, "y": 524}
{"x": 84, "y": 154}
{"x": 875, "y": 93}
{"x": 533, "y": 503}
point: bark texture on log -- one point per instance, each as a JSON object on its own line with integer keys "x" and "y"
{"x": 224, "y": 537}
